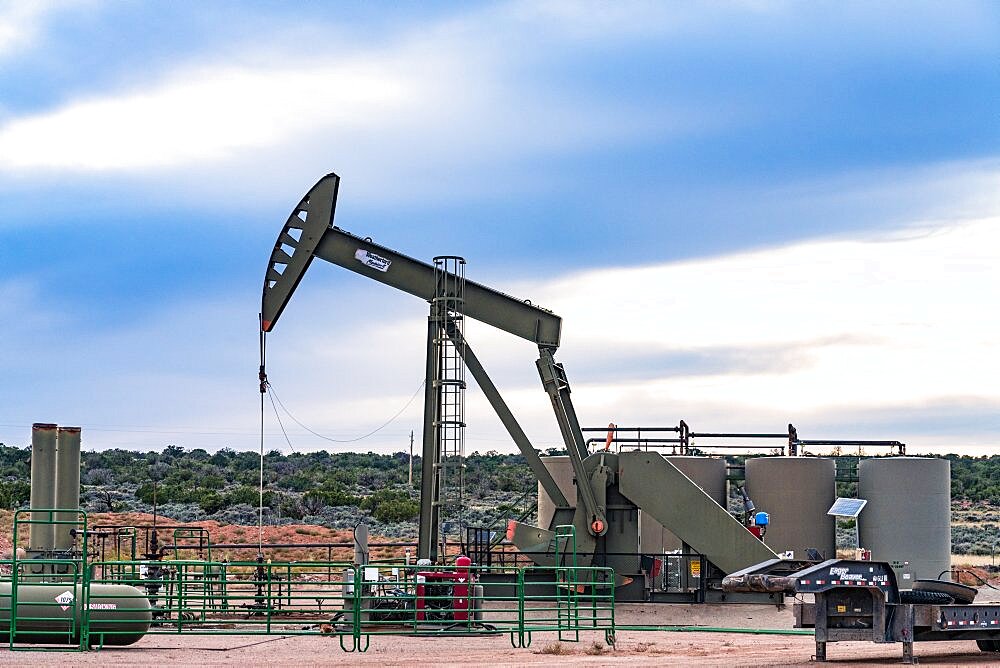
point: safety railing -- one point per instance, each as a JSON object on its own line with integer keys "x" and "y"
{"x": 358, "y": 602}
{"x": 197, "y": 538}
{"x": 64, "y": 600}
{"x": 466, "y": 600}
{"x": 46, "y": 614}
{"x": 47, "y": 595}
{"x": 235, "y": 598}
{"x": 434, "y": 600}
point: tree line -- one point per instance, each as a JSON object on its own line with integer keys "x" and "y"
{"x": 299, "y": 485}
{"x": 195, "y": 483}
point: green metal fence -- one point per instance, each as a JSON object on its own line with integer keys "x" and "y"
{"x": 68, "y": 601}
{"x": 233, "y": 598}
{"x": 358, "y": 602}
{"x": 36, "y": 619}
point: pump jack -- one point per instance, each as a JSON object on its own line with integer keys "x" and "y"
{"x": 610, "y": 486}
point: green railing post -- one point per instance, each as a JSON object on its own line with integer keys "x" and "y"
{"x": 567, "y": 613}
{"x": 61, "y": 571}
{"x": 268, "y": 600}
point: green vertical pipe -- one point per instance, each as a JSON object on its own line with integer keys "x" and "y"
{"x": 43, "y": 491}
{"x": 67, "y": 492}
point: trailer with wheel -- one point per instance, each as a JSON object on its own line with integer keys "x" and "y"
{"x": 861, "y": 601}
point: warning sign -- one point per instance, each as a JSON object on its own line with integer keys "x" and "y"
{"x": 65, "y": 600}
{"x": 696, "y": 568}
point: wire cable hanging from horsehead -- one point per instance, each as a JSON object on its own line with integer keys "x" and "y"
{"x": 268, "y": 389}
{"x": 262, "y": 376}
{"x": 346, "y": 440}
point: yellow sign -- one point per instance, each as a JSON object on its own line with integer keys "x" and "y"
{"x": 696, "y": 568}
{"x": 841, "y": 608}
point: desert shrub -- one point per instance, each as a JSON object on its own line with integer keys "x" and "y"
{"x": 330, "y": 494}
{"x": 181, "y": 512}
{"x": 243, "y": 494}
{"x": 290, "y": 508}
{"x": 14, "y": 493}
{"x": 98, "y": 476}
{"x": 974, "y": 538}
{"x": 211, "y": 502}
{"x": 387, "y": 505}
{"x": 396, "y": 510}
{"x": 239, "y": 514}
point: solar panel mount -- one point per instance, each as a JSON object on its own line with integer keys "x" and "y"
{"x": 847, "y": 507}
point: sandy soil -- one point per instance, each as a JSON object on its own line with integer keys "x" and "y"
{"x": 657, "y": 648}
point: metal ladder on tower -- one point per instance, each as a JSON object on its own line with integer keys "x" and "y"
{"x": 449, "y": 387}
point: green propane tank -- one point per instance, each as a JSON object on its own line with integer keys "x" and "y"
{"x": 51, "y": 614}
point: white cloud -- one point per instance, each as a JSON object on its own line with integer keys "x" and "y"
{"x": 899, "y": 320}
{"x": 889, "y": 337}
{"x": 203, "y": 114}
{"x": 442, "y": 93}
{"x": 21, "y": 22}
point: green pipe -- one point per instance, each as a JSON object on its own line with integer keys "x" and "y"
{"x": 715, "y": 629}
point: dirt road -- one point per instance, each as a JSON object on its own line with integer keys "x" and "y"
{"x": 649, "y": 648}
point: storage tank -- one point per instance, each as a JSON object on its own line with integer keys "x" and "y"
{"x": 562, "y": 472}
{"x": 908, "y": 514}
{"x": 43, "y": 486}
{"x": 67, "y": 493}
{"x": 48, "y": 613}
{"x": 796, "y": 492}
{"x": 709, "y": 473}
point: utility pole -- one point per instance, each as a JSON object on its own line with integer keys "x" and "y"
{"x": 411, "y": 458}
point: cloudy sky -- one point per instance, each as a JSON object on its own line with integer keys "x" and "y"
{"x": 747, "y": 213}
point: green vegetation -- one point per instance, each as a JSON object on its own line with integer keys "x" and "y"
{"x": 14, "y": 493}
{"x": 338, "y": 489}
{"x": 391, "y": 506}
{"x": 975, "y": 478}
{"x": 334, "y": 490}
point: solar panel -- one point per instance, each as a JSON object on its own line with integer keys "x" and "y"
{"x": 845, "y": 507}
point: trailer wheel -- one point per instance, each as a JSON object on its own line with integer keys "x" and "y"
{"x": 988, "y": 645}
{"x": 925, "y": 597}
{"x": 960, "y": 592}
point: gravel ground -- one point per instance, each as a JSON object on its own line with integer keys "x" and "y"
{"x": 657, "y": 648}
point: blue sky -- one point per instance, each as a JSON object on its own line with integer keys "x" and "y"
{"x": 709, "y": 169}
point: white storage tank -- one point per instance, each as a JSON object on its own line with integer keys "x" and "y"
{"x": 562, "y": 472}
{"x": 908, "y": 514}
{"x": 709, "y": 473}
{"x": 796, "y": 492}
